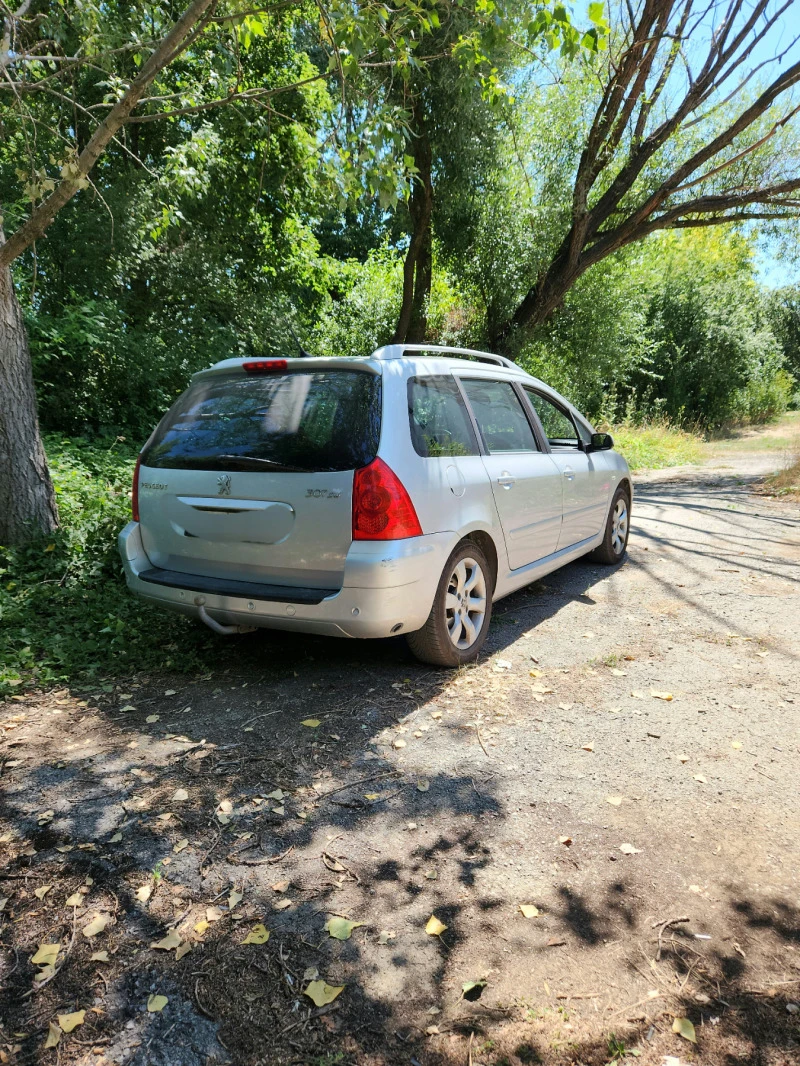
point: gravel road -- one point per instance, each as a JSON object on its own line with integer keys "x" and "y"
{"x": 627, "y": 754}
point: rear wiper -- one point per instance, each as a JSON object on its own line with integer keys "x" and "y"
{"x": 247, "y": 460}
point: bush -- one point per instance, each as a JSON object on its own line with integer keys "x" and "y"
{"x": 65, "y": 613}
{"x": 655, "y": 445}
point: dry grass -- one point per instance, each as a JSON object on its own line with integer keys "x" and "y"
{"x": 786, "y": 482}
{"x": 656, "y": 445}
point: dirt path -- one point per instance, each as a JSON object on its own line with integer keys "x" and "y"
{"x": 628, "y": 753}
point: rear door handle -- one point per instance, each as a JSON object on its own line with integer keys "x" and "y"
{"x": 569, "y": 473}
{"x": 506, "y": 480}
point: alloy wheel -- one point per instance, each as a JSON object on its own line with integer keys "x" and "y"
{"x": 465, "y": 603}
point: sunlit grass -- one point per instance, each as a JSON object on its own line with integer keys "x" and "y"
{"x": 655, "y": 445}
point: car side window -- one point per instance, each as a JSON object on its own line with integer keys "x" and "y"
{"x": 500, "y": 416}
{"x": 558, "y": 427}
{"x": 438, "y": 417}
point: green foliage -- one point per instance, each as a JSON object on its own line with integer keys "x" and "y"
{"x": 64, "y": 610}
{"x": 654, "y": 445}
{"x": 713, "y": 357}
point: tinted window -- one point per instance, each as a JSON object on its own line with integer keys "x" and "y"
{"x": 308, "y": 421}
{"x": 557, "y": 425}
{"x": 437, "y": 415}
{"x": 500, "y": 416}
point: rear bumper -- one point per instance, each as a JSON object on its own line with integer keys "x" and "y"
{"x": 388, "y": 588}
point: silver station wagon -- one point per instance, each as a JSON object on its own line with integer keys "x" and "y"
{"x": 399, "y": 494}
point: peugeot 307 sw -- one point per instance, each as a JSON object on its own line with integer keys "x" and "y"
{"x": 404, "y": 493}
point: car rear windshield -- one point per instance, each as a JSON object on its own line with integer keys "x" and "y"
{"x": 297, "y": 421}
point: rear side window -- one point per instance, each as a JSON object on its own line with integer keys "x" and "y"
{"x": 437, "y": 415}
{"x": 557, "y": 425}
{"x": 499, "y": 414}
{"x": 297, "y": 421}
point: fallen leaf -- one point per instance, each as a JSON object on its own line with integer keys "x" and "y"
{"x": 155, "y": 1004}
{"x": 53, "y": 1035}
{"x": 736, "y": 745}
{"x": 181, "y": 845}
{"x": 281, "y": 904}
{"x": 321, "y": 993}
{"x": 472, "y": 990}
{"x": 152, "y": 717}
{"x": 341, "y": 928}
{"x": 701, "y": 779}
{"x": 667, "y": 696}
{"x": 180, "y": 795}
{"x": 683, "y": 758}
{"x": 144, "y": 893}
{"x": 566, "y": 706}
{"x": 167, "y": 943}
{"x": 432, "y": 1030}
{"x": 201, "y": 926}
{"x": 311, "y": 973}
{"x": 170, "y": 692}
{"x": 97, "y": 925}
{"x": 371, "y": 796}
{"x": 68, "y": 1022}
{"x": 683, "y": 1027}
{"x": 385, "y": 936}
{"x": 116, "y": 838}
{"x": 279, "y": 886}
{"x": 277, "y": 794}
{"x": 431, "y": 875}
{"x": 226, "y": 806}
{"x": 615, "y": 801}
{"x": 398, "y": 743}
{"x": 528, "y": 910}
{"x": 99, "y": 956}
{"x": 46, "y": 955}
{"x": 629, "y": 849}
{"x": 503, "y": 664}
{"x": 434, "y": 927}
{"x": 423, "y": 784}
{"x": 213, "y": 914}
{"x": 619, "y": 673}
{"x": 311, "y": 723}
{"x": 259, "y": 934}
{"x": 566, "y": 841}
{"x": 556, "y": 942}
{"x": 75, "y": 900}
{"x": 40, "y": 893}
{"x": 64, "y": 848}
{"x": 436, "y": 715}
{"x": 588, "y": 747}
{"x": 234, "y": 898}
{"x": 183, "y": 949}
{"x": 279, "y": 810}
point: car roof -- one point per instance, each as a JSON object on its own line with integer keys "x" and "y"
{"x": 419, "y": 358}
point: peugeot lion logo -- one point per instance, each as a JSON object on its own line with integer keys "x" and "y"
{"x": 224, "y": 484}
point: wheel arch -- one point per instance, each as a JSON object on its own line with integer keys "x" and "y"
{"x": 483, "y": 540}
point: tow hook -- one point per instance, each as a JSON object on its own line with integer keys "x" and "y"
{"x": 218, "y": 627}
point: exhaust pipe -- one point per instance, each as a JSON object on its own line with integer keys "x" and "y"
{"x": 218, "y": 627}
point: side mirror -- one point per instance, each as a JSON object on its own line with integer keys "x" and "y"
{"x": 601, "y": 442}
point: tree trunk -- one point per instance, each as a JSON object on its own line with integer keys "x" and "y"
{"x": 412, "y": 322}
{"x": 27, "y": 499}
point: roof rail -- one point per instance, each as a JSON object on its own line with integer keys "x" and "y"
{"x": 398, "y": 351}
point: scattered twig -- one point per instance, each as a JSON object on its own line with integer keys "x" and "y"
{"x": 480, "y": 741}
{"x": 205, "y": 857}
{"x": 662, "y": 926}
{"x": 258, "y": 862}
{"x": 360, "y": 781}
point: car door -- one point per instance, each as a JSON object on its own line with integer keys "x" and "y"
{"x": 585, "y": 481}
{"x": 526, "y": 483}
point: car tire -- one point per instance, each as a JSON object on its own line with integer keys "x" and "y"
{"x": 618, "y": 527}
{"x": 458, "y": 624}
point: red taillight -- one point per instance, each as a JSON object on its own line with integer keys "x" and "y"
{"x": 382, "y": 509}
{"x": 135, "y": 491}
{"x": 265, "y": 366}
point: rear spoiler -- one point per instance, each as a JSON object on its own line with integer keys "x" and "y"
{"x": 231, "y": 366}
